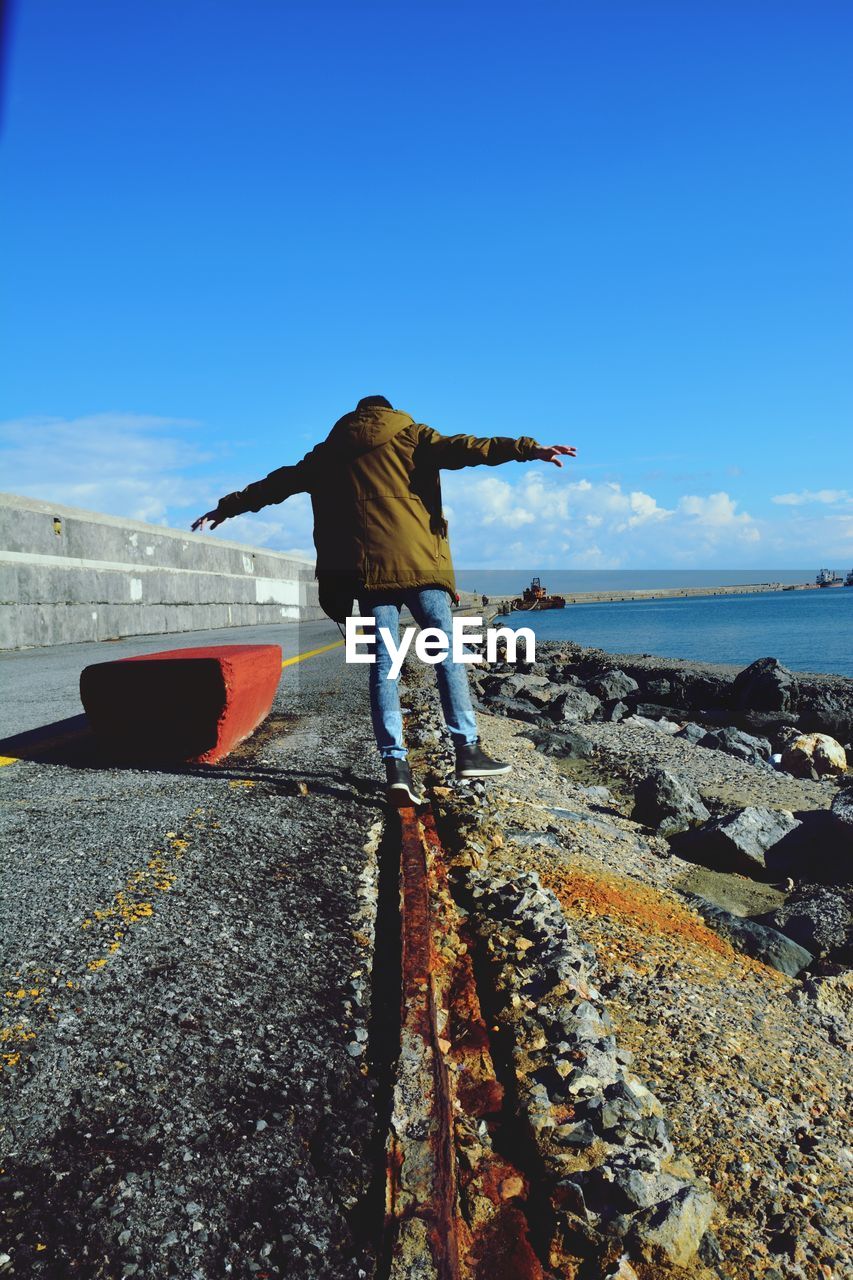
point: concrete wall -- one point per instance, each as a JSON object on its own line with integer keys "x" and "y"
{"x": 69, "y": 575}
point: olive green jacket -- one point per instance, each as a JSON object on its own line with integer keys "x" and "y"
{"x": 376, "y": 495}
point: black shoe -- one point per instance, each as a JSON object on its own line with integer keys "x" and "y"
{"x": 472, "y": 762}
{"x": 400, "y": 787}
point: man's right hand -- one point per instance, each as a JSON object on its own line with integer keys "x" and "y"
{"x": 550, "y": 453}
{"x": 213, "y": 516}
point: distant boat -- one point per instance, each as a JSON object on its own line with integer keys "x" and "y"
{"x": 829, "y": 578}
{"x": 536, "y": 597}
{"x": 848, "y": 581}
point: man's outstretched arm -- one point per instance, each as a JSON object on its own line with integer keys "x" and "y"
{"x": 451, "y": 453}
{"x": 275, "y": 487}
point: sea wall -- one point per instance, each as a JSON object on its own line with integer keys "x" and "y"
{"x": 69, "y": 575}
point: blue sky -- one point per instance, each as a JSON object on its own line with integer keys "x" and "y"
{"x": 624, "y": 226}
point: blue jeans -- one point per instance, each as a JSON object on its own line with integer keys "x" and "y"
{"x": 430, "y": 607}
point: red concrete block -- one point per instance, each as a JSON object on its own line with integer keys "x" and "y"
{"x": 182, "y": 704}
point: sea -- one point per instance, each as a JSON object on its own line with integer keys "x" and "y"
{"x": 806, "y": 630}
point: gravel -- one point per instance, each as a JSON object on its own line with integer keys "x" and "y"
{"x": 186, "y": 965}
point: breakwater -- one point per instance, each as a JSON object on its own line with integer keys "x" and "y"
{"x": 618, "y": 595}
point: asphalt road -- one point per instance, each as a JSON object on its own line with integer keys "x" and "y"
{"x": 186, "y": 983}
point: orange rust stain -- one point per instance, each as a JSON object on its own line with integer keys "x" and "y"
{"x": 635, "y": 905}
{"x": 503, "y": 1250}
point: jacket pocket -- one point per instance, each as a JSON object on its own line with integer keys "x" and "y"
{"x": 400, "y": 545}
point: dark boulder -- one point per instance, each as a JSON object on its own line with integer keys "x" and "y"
{"x": 757, "y": 940}
{"x": 737, "y": 743}
{"x": 517, "y": 708}
{"x": 842, "y": 814}
{"x": 536, "y": 689}
{"x": 657, "y": 711}
{"x": 573, "y": 706}
{"x": 765, "y": 685}
{"x": 703, "y": 691}
{"x": 817, "y": 851}
{"x": 611, "y": 686}
{"x": 694, "y": 733}
{"x": 763, "y": 724}
{"x": 741, "y": 841}
{"x": 569, "y": 744}
{"x": 827, "y": 710}
{"x": 504, "y": 684}
{"x": 819, "y": 919}
{"x": 667, "y": 802}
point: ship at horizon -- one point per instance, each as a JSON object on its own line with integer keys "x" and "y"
{"x": 831, "y": 578}
{"x": 536, "y": 597}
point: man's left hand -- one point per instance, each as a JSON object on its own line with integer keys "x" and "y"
{"x": 551, "y": 452}
{"x": 213, "y": 517}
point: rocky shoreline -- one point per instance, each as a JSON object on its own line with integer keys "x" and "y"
{"x": 712, "y": 889}
{"x": 742, "y": 771}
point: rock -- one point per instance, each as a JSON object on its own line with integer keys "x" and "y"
{"x": 827, "y": 710}
{"x": 692, "y": 732}
{"x": 574, "y": 706}
{"x": 575, "y": 1135}
{"x": 656, "y": 711}
{"x": 658, "y": 688}
{"x": 667, "y": 802}
{"x": 704, "y": 690}
{"x": 832, "y": 993}
{"x": 819, "y": 851}
{"x": 842, "y": 814}
{"x": 763, "y": 724}
{"x": 611, "y": 686}
{"x": 565, "y": 745}
{"x": 517, "y": 708}
{"x": 646, "y": 1188}
{"x": 765, "y": 685}
{"x": 714, "y": 717}
{"x": 523, "y": 683}
{"x": 742, "y": 840}
{"x": 737, "y": 743}
{"x": 495, "y": 686}
{"x": 675, "y": 1227}
{"x": 600, "y": 795}
{"x": 616, "y": 711}
{"x": 784, "y": 736}
{"x": 814, "y": 754}
{"x": 753, "y": 939}
{"x": 819, "y": 919}
{"x": 540, "y": 693}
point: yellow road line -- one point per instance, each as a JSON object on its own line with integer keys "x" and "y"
{"x": 109, "y": 927}
{"x": 312, "y": 653}
{"x": 8, "y": 760}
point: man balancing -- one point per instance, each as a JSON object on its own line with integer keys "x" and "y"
{"x": 381, "y": 538}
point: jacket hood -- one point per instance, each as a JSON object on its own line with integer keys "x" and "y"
{"x": 365, "y": 429}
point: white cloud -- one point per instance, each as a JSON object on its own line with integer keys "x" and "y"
{"x": 143, "y": 467}
{"x": 829, "y": 497}
{"x": 162, "y": 470}
{"x": 718, "y": 512}
{"x": 583, "y": 523}
{"x": 286, "y": 527}
{"x": 122, "y": 464}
